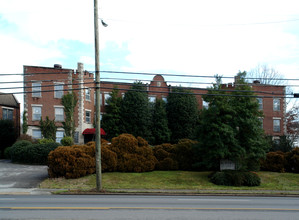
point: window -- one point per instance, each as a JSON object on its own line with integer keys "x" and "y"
{"x": 260, "y": 102}
{"x": 59, "y": 114}
{"x": 164, "y": 99}
{"x": 36, "y": 113}
{"x": 276, "y": 125}
{"x": 59, "y": 136}
{"x": 76, "y": 137}
{"x": 87, "y": 94}
{"x": 159, "y": 84}
{"x": 88, "y": 116}
{"x": 152, "y": 99}
{"x": 36, "y": 134}
{"x": 276, "y": 104}
{"x": 106, "y": 97}
{"x": 36, "y": 90}
{"x": 58, "y": 93}
{"x": 262, "y": 122}
{"x": 205, "y": 105}
{"x": 7, "y": 114}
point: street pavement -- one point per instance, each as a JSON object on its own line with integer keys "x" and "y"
{"x": 20, "y": 178}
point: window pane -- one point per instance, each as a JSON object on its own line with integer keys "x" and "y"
{"x": 276, "y": 104}
{"x": 7, "y": 114}
{"x": 36, "y": 90}
{"x": 36, "y": 134}
{"x": 276, "y": 125}
{"x": 59, "y": 136}
{"x": 152, "y": 99}
{"x": 87, "y": 94}
{"x": 87, "y": 116}
{"x": 58, "y": 91}
{"x": 59, "y": 114}
{"x": 106, "y": 97}
{"x": 36, "y": 113}
{"x": 260, "y": 102}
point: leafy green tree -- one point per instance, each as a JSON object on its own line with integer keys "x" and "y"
{"x": 48, "y": 128}
{"x": 182, "y": 114}
{"x": 69, "y": 102}
{"x": 111, "y": 120}
{"x": 160, "y": 130}
{"x": 135, "y": 112}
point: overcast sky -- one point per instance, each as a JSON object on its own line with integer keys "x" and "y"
{"x": 191, "y": 37}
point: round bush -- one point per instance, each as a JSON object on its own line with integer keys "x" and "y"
{"x": 45, "y": 141}
{"x": 165, "y": 156}
{"x": 235, "y": 178}
{"x": 19, "y": 151}
{"x": 275, "y": 161}
{"x": 67, "y": 141}
{"x": 292, "y": 159}
{"x": 133, "y": 154}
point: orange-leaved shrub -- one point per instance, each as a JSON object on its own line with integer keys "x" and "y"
{"x": 165, "y": 154}
{"x": 79, "y": 160}
{"x": 274, "y": 161}
{"x": 133, "y": 154}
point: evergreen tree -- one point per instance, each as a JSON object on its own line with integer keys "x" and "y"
{"x": 135, "y": 112}
{"x": 250, "y": 134}
{"x": 111, "y": 120}
{"x": 48, "y": 128}
{"x": 69, "y": 102}
{"x": 217, "y": 135}
{"x": 160, "y": 130}
{"x": 182, "y": 113}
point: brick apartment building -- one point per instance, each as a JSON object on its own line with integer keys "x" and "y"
{"x": 10, "y": 110}
{"x": 40, "y": 99}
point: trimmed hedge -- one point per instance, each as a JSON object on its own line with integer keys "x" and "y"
{"x": 235, "y": 178}
{"x": 79, "y": 160}
{"x": 133, "y": 154}
{"x": 26, "y": 152}
{"x": 274, "y": 161}
{"x": 165, "y": 154}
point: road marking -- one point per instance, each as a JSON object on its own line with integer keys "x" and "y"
{"x": 146, "y": 208}
{"x": 7, "y": 199}
{"x": 217, "y": 200}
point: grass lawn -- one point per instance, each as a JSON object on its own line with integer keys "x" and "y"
{"x": 176, "y": 180}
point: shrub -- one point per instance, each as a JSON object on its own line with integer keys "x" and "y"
{"x": 79, "y": 160}
{"x": 235, "y": 178}
{"x": 133, "y": 154}
{"x": 165, "y": 154}
{"x": 292, "y": 159}
{"x": 184, "y": 153}
{"x": 26, "y": 152}
{"x": 67, "y": 141}
{"x": 26, "y": 137}
{"x": 274, "y": 161}
{"x": 7, "y": 135}
{"x": 45, "y": 141}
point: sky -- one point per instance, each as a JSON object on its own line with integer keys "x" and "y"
{"x": 190, "y": 37}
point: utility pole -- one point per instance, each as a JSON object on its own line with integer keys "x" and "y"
{"x": 98, "y": 106}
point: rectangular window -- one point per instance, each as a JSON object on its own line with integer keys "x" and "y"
{"x": 7, "y": 114}
{"x": 87, "y": 94}
{"x": 276, "y": 125}
{"x": 59, "y": 136}
{"x": 276, "y": 104}
{"x": 59, "y": 114}
{"x": 260, "y": 102}
{"x": 88, "y": 116}
{"x": 106, "y": 97}
{"x": 36, "y": 134}
{"x": 36, "y": 113}
{"x": 164, "y": 99}
{"x": 262, "y": 122}
{"x": 152, "y": 99}
{"x": 76, "y": 137}
{"x": 58, "y": 91}
{"x": 36, "y": 90}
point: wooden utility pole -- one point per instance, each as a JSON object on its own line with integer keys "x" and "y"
{"x": 98, "y": 106}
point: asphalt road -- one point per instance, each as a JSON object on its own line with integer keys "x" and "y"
{"x": 147, "y": 207}
{"x": 15, "y": 177}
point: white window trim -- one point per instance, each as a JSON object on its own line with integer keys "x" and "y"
{"x": 87, "y": 89}
{"x": 275, "y": 118}
{"x": 41, "y": 110}
{"x": 279, "y": 105}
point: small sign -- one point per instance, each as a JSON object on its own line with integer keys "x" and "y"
{"x": 227, "y": 165}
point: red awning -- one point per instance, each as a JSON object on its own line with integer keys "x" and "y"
{"x": 93, "y": 131}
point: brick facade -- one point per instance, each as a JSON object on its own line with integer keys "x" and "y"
{"x": 82, "y": 83}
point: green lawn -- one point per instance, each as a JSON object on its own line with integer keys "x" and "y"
{"x": 176, "y": 180}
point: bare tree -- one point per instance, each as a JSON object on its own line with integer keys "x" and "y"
{"x": 266, "y": 75}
